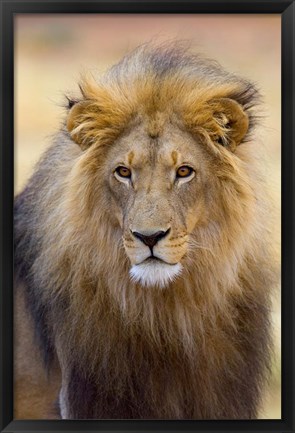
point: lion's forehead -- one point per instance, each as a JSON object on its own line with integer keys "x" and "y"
{"x": 172, "y": 148}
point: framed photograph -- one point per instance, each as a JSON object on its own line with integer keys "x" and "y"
{"x": 147, "y": 216}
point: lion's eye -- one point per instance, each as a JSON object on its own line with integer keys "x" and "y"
{"x": 123, "y": 172}
{"x": 184, "y": 171}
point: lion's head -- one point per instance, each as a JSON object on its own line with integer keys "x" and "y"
{"x": 160, "y": 136}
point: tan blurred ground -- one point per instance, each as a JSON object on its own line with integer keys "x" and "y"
{"x": 52, "y": 50}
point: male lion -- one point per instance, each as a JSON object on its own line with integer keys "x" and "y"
{"x": 142, "y": 246}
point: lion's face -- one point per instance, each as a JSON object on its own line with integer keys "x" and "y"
{"x": 158, "y": 195}
{"x": 162, "y": 147}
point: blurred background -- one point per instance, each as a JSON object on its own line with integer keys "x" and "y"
{"x": 51, "y": 51}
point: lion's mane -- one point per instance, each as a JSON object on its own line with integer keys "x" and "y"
{"x": 199, "y": 349}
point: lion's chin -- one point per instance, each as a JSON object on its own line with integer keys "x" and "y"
{"x": 151, "y": 273}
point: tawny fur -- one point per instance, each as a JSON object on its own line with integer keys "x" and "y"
{"x": 199, "y": 347}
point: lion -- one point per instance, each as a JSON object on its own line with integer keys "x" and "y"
{"x": 143, "y": 247}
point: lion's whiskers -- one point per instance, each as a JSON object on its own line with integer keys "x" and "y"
{"x": 192, "y": 244}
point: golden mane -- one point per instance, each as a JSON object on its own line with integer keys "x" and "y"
{"x": 164, "y": 79}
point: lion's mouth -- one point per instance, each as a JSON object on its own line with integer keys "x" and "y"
{"x": 154, "y": 272}
{"x": 154, "y": 259}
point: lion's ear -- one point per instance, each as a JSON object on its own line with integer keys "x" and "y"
{"x": 231, "y": 122}
{"x": 98, "y": 117}
{"x": 80, "y": 114}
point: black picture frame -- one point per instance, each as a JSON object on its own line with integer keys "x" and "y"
{"x": 287, "y": 10}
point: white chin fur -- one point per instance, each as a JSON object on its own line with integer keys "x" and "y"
{"x": 152, "y": 273}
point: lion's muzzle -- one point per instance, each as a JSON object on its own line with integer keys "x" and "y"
{"x": 154, "y": 260}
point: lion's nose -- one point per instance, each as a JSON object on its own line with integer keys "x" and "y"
{"x": 151, "y": 239}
